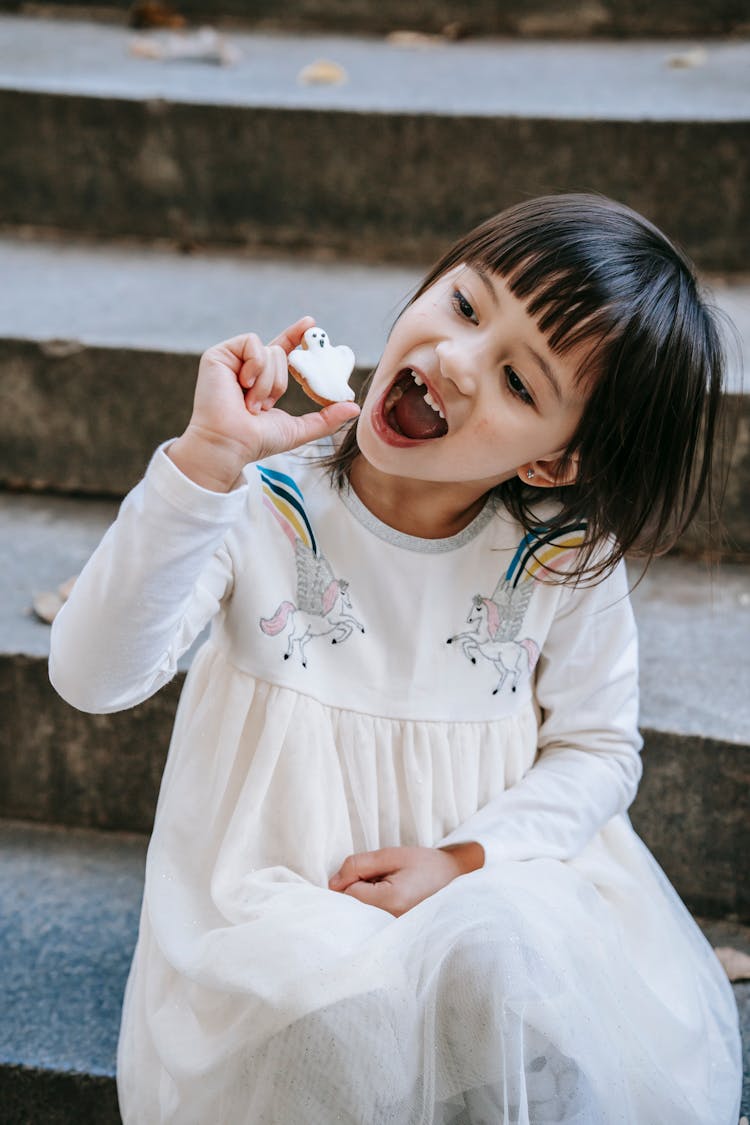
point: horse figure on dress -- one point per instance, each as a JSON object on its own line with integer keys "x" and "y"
{"x": 497, "y": 621}
{"x": 323, "y": 606}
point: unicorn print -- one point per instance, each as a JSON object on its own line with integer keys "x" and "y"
{"x": 495, "y": 622}
{"x": 323, "y": 606}
{"x": 498, "y": 619}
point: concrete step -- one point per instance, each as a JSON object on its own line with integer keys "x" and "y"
{"x": 454, "y": 19}
{"x": 69, "y": 907}
{"x": 414, "y": 148}
{"x": 60, "y": 766}
{"x": 69, "y": 903}
{"x": 111, "y": 335}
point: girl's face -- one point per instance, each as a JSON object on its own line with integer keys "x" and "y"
{"x": 508, "y": 403}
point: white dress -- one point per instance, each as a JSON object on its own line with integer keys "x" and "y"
{"x": 361, "y": 689}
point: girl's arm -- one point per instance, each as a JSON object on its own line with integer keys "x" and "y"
{"x": 589, "y": 766}
{"x": 155, "y": 580}
{"x": 162, "y": 569}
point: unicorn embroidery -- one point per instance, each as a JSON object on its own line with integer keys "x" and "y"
{"x": 497, "y": 620}
{"x": 323, "y": 607}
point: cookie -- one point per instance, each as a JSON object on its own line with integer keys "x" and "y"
{"x": 321, "y": 369}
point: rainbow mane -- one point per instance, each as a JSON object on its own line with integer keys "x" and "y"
{"x": 549, "y": 550}
{"x": 284, "y": 500}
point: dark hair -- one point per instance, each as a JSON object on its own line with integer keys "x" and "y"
{"x": 593, "y": 271}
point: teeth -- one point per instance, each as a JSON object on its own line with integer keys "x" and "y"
{"x": 430, "y": 402}
{"x": 396, "y": 392}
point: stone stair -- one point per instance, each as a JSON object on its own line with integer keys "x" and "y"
{"x": 148, "y": 210}
{"x": 421, "y": 143}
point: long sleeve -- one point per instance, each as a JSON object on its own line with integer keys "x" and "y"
{"x": 588, "y": 765}
{"x": 158, "y": 576}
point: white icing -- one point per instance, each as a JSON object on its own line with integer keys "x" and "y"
{"x": 325, "y": 368}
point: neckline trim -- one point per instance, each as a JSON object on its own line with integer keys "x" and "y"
{"x": 406, "y": 542}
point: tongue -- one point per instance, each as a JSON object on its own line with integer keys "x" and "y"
{"x": 416, "y": 419}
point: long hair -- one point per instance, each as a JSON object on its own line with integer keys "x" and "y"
{"x": 592, "y": 271}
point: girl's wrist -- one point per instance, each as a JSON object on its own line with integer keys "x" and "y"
{"x": 469, "y": 856}
{"x": 208, "y": 460}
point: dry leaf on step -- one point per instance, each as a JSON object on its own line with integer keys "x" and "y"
{"x": 65, "y": 589}
{"x": 203, "y": 45}
{"x": 419, "y": 39}
{"x": 736, "y": 963}
{"x": 685, "y": 60}
{"x": 48, "y": 604}
{"x": 322, "y": 72}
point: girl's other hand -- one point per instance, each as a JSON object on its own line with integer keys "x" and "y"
{"x": 396, "y": 879}
{"x": 235, "y": 421}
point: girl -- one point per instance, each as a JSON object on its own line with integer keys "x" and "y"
{"x": 392, "y": 877}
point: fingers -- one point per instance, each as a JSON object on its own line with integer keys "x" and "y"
{"x": 385, "y": 895}
{"x": 291, "y": 337}
{"x": 240, "y": 349}
{"x": 321, "y": 423}
{"x": 262, "y": 371}
{"x": 366, "y": 865}
{"x": 264, "y": 378}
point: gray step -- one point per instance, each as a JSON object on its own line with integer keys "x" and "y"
{"x": 456, "y": 18}
{"x": 416, "y": 147}
{"x": 69, "y": 904}
{"x": 112, "y": 336}
{"x": 60, "y": 766}
{"x": 69, "y": 907}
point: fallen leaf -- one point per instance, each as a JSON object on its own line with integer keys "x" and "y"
{"x": 685, "y": 60}
{"x": 66, "y": 587}
{"x": 414, "y": 39}
{"x": 48, "y": 604}
{"x": 203, "y": 45}
{"x": 322, "y": 72}
{"x": 736, "y": 963}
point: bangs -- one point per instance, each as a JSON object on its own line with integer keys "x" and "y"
{"x": 570, "y": 309}
{"x": 580, "y": 264}
{"x": 574, "y": 297}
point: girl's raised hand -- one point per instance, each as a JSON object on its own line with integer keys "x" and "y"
{"x": 235, "y": 421}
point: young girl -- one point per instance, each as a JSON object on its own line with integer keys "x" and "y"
{"x": 392, "y": 877}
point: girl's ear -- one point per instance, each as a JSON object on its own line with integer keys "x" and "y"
{"x": 551, "y": 472}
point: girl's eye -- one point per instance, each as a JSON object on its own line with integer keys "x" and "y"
{"x": 516, "y": 387}
{"x": 463, "y": 307}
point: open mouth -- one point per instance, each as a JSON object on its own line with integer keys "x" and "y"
{"x": 410, "y": 411}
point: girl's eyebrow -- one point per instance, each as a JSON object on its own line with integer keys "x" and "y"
{"x": 486, "y": 282}
{"x": 544, "y": 367}
{"x": 546, "y": 371}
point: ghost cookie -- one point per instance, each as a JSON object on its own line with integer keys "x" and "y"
{"x": 322, "y": 370}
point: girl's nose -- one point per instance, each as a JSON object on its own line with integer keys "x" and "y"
{"x": 458, "y": 365}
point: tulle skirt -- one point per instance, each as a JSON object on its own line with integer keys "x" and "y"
{"x": 524, "y": 993}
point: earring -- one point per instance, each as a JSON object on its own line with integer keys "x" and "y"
{"x": 530, "y": 474}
